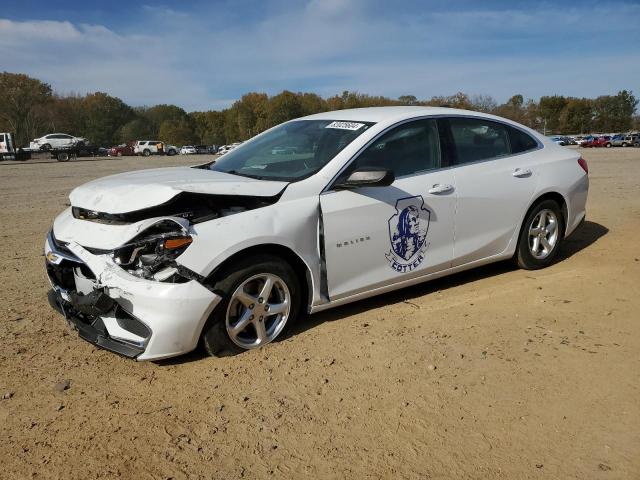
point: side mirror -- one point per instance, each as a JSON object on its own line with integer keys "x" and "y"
{"x": 368, "y": 177}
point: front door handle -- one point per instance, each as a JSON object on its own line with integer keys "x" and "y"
{"x": 522, "y": 172}
{"x": 440, "y": 188}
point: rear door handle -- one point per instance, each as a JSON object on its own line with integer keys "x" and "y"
{"x": 440, "y": 188}
{"x": 522, "y": 172}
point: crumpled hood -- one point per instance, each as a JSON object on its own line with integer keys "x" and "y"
{"x": 128, "y": 192}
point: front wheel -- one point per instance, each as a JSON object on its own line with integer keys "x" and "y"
{"x": 260, "y": 297}
{"x": 608, "y": 145}
{"x": 540, "y": 236}
{"x": 624, "y": 144}
{"x": 146, "y": 152}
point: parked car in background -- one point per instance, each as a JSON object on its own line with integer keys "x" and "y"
{"x": 622, "y": 141}
{"x": 188, "y": 150}
{"x": 121, "y": 150}
{"x": 201, "y": 149}
{"x": 558, "y": 140}
{"x": 55, "y": 140}
{"x": 596, "y": 142}
{"x": 154, "y": 147}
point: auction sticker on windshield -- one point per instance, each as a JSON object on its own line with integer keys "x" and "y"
{"x": 345, "y": 125}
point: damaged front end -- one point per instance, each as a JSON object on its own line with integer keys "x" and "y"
{"x": 113, "y": 258}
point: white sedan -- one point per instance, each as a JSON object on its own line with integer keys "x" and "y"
{"x": 188, "y": 150}
{"x": 230, "y": 254}
{"x": 56, "y": 140}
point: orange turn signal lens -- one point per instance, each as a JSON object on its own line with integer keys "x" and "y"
{"x": 173, "y": 243}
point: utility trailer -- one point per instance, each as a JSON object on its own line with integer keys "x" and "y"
{"x": 64, "y": 154}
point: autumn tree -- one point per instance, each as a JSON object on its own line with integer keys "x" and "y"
{"x": 23, "y": 102}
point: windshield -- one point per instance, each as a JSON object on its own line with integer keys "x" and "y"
{"x": 292, "y": 151}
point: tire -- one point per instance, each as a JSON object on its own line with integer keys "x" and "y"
{"x": 146, "y": 152}
{"x": 525, "y": 257}
{"x": 244, "y": 275}
{"x": 624, "y": 144}
{"x": 171, "y": 152}
{"x": 45, "y": 147}
{"x": 608, "y": 145}
{"x": 119, "y": 154}
{"x": 63, "y": 157}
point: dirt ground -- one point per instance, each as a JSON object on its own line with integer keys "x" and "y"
{"x": 493, "y": 373}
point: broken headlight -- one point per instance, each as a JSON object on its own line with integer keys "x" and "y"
{"x": 152, "y": 254}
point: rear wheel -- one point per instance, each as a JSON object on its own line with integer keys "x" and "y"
{"x": 624, "y": 144}
{"x": 608, "y": 145}
{"x": 540, "y": 236}
{"x": 63, "y": 157}
{"x": 119, "y": 154}
{"x": 260, "y": 298}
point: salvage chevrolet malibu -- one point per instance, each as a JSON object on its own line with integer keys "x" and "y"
{"x": 230, "y": 254}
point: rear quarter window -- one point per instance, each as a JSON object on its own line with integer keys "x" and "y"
{"x": 521, "y": 141}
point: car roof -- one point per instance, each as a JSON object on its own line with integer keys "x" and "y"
{"x": 387, "y": 114}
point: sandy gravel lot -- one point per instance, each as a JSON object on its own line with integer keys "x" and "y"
{"x": 494, "y": 373}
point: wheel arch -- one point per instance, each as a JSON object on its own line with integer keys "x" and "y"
{"x": 549, "y": 195}
{"x": 287, "y": 254}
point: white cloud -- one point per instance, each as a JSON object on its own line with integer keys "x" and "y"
{"x": 327, "y": 46}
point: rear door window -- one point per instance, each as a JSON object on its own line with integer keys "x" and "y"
{"x": 477, "y": 139}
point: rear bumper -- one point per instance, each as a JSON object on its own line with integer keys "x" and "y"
{"x": 137, "y": 318}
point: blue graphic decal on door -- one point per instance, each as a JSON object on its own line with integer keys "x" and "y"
{"x": 408, "y": 234}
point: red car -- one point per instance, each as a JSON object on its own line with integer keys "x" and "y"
{"x": 120, "y": 150}
{"x": 596, "y": 142}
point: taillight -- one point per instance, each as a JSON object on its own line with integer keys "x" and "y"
{"x": 583, "y": 163}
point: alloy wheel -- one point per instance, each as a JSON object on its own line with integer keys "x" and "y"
{"x": 258, "y": 310}
{"x": 543, "y": 234}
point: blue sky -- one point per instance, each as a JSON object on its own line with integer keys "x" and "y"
{"x": 205, "y": 54}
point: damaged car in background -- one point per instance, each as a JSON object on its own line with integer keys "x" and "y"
{"x": 230, "y": 254}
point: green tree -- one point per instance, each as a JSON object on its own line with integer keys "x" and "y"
{"x": 614, "y": 113}
{"x": 513, "y": 109}
{"x": 577, "y": 116}
{"x": 157, "y": 114}
{"x": 209, "y": 127}
{"x": 408, "y": 100}
{"x": 103, "y": 117}
{"x": 136, "y": 129}
{"x": 23, "y": 102}
{"x": 177, "y": 132}
{"x": 550, "y": 109}
{"x": 283, "y": 107}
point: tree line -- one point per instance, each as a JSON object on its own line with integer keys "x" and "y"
{"x": 30, "y": 108}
